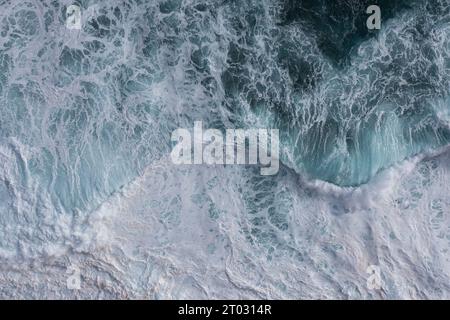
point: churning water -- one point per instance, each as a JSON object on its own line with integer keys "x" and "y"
{"x": 86, "y": 178}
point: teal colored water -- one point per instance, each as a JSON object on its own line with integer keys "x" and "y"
{"x": 86, "y": 118}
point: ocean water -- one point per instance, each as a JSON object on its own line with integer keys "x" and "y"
{"x": 86, "y": 179}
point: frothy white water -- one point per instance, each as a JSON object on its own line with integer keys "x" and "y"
{"x": 86, "y": 181}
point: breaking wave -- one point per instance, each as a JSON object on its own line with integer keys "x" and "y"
{"x": 85, "y": 126}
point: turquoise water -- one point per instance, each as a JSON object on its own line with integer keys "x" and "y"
{"x": 97, "y": 105}
{"x": 84, "y": 113}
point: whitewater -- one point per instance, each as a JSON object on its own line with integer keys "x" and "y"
{"x": 86, "y": 178}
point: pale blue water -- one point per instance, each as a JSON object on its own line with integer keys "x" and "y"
{"x": 85, "y": 113}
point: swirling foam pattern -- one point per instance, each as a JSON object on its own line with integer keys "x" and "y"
{"x": 86, "y": 178}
